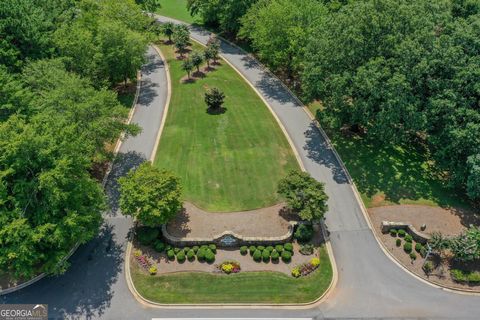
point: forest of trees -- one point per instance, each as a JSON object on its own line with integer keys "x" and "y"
{"x": 59, "y": 63}
{"x": 396, "y": 71}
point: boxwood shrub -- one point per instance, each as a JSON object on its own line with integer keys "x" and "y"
{"x": 191, "y": 255}
{"x": 195, "y": 249}
{"x": 159, "y": 246}
{"x": 243, "y": 250}
{"x": 266, "y": 255}
{"x": 177, "y": 250}
{"x": 181, "y": 256}
{"x": 413, "y": 255}
{"x": 269, "y": 248}
{"x": 275, "y": 255}
{"x": 279, "y": 248}
{"x": 146, "y": 235}
{"x": 465, "y": 276}
{"x": 252, "y": 249}
{"x": 407, "y": 247}
{"x": 393, "y": 232}
{"x": 304, "y": 233}
{"x": 171, "y": 254}
{"x": 213, "y": 248}
{"x": 201, "y": 254}
{"x": 286, "y": 256}
{"x": 261, "y": 248}
{"x": 288, "y": 247}
{"x": 401, "y": 233}
{"x": 257, "y": 255}
{"x": 186, "y": 249}
{"x": 408, "y": 238}
{"x": 399, "y": 242}
{"x": 418, "y": 247}
{"x": 209, "y": 256}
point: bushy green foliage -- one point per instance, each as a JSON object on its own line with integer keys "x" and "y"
{"x": 398, "y": 242}
{"x": 393, "y": 232}
{"x": 269, "y": 248}
{"x": 418, "y": 247}
{"x": 171, "y": 255}
{"x": 214, "y": 98}
{"x": 201, "y": 254}
{"x": 304, "y": 195}
{"x": 181, "y": 256}
{"x": 407, "y": 247}
{"x": 146, "y": 235}
{"x": 209, "y": 256}
{"x": 466, "y": 246}
{"x": 177, "y": 250}
{"x": 286, "y": 256}
{"x": 275, "y": 255}
{"x": 257, "y": 255}
{"x": 304, "y": 233}
{"x": 288, "y": 247}
{"x": 428, "y": 267}
{"x": 212, "y": 247}
{"x": 462, "y": 276}
{"x": 413, "y": 255}
{"x": 243, "y": 250}
{"x": 408, "y": 238}
{"x": 261, "y": 248}
{"x": 252, "y": 249}
{"x": 191, "y": 255}
{"x": 279, "y": 248}
{"x": 195, "y": 249}
{"x": 401, "y": 233}
{"x": 151, "y": 195}
{"x": 266, "y": 256}
{"x": 307, "y": 249}
{"x": 159, "y": 246}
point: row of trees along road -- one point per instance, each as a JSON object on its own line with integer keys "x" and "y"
{"x": 399, "y": 71}
{"x": 59, "y": 60}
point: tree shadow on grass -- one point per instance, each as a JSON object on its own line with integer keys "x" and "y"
{"x": 216, "y": 111}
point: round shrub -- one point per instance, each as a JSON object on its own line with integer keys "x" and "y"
{"x": 261, "y": 248}
{"x": 296, "y": 272}
{"x": 407, "y": 247}
{"x": 243, "y": 250}
{"x": 286, "y": 256}
{"x": 195, "y": 249}
{"x": 279, "y": 248}
{"x": 275, "y": 255}
{"x": 315, "y": 262}
{"x": 186, "y": 249}
{"x": 399, "y": 242}
{"x": 168, "y": 247}
{"x": 209, "y": 256}
{"x": 269, "y": 248}
{"x": 304, "y": 233}
{"x": 181, "y": 256}
{"x": 257, "y": 255}
{"x": 204, "y": 247}
{"x": 171, "y": 254}
{"x": 212, "y": 247}
{"x": 401, "y": 233}
{"x": 176, "y": 250}
{"x": 418, "y": 247}
{"x": 201, "y": 254}
{"x": 159, "y": 246}
{"x": 252, "y": 249}
{"x": 146, "y": 235}
{"x": 191, "y": 255}
{"x": 288, "y": 247}
{"x": 428, "y": 267}
{"x": 393, "y": 232}
{"x": 266, "y": 256}
{"x": 413, "y": 255}
{"x": 408, "y": 238}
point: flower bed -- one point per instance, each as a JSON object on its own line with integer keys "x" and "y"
{"x": 306, "y": 268}
{"x": 142, "y": 260}
{"x": 229, "y": 267}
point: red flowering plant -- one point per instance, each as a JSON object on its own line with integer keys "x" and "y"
{"x": 142, "y": 260}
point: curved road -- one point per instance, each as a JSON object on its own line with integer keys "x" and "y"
{"x": 370, "y": 285}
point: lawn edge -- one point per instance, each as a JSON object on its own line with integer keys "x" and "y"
{"x": 307, "y": 305}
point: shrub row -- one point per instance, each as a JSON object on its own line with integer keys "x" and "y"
{"x": 462, "y": 276}
{"x": 270, "y": 253}
{"x": 202, "y": 253}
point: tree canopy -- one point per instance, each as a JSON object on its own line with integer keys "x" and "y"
{"x": 151, "y": 195}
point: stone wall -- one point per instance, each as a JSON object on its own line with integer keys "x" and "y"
{"x": 416, "y": 235}
{"x": 228, "y": 239}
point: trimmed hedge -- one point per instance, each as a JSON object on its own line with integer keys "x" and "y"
{"x": 279, "y": 248}
{"x": 399, "y": 242}
{"x": 275, "y": 255}
{"x": 408, "y": 238}
{"x": 393, "y": 232}
{"x": 177, "y": 250}
{"x": 269, "y": 248}
{"x": 407, "y": 247}
{"x": 171, "y": 255}
{"x": 243, "y": 250}
{"x": 266, "y": 256}
{"x": 304, "y": 233}
{"x": 191, "y": 255}
{"x": 201, "y": 254}
{"x": 261, "y": 248}
{"x": 159, "y": 246}
{"x": 181, "y": 256}
{"x": 288, "y": 247}
{"x": 213, "y": 248}
{"x": 418, "y": 247}
{"x": 462, "y": 276}
{"x": 209, "y": 256}
{"x": 252, "y": 249}
{"x": 401, "y": 233}
{"x": 257, "y": 255}
{"x": 147, "y": 235}
{"x": 195, "y": 249}
{"x": 286, "y": 256}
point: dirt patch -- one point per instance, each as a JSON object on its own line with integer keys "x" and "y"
{"x": 447, "y": 221}
{"x": 194, "y": 222}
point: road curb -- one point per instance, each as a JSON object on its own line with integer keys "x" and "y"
{"x": 104, "y": 181}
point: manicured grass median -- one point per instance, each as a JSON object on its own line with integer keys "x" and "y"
{"x": 388, "y": 174}
{"x": 176, "y": 9}
{"x": 246, "y": 287}
{"x": 230, "y": 161}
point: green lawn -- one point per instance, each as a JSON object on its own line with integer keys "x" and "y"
{"x": 246, "y": 287}
{"x": 176, "y": 9}
{"x": 227, "y": 162}
{"x": 391, "y": 174}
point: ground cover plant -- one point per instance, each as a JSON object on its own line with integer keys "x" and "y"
{"x": 244, "y": 287}
{"x": 222, "y": 154}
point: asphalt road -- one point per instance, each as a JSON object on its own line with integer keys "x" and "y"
{"x": 370, "y": 285}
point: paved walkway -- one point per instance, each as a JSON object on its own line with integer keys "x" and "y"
{"x": 194, "y": 222}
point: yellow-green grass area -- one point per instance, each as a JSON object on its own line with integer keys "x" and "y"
{"x": 177, "y": 9}
{"x": 387, "y": 174}
{"x": 244, "y": 287}
{"x": 230, "y": 161}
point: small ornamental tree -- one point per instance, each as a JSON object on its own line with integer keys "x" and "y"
{"x": 168, "y": 29}
{"x": 150, "y": 6}
{"x": 213, "y": 45}
{"x": 304, "y": 195}
{"x": 466, "y": 247}
{"x": 187, "y": 66}
{"x": 197, "y": 60}
{"x": 439, "y": 243}
{"x": 214, "y": 98}
{"x": 181, "y": 36}
{"x": 208, "y": 54}
{"x": 150, "y": 195}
